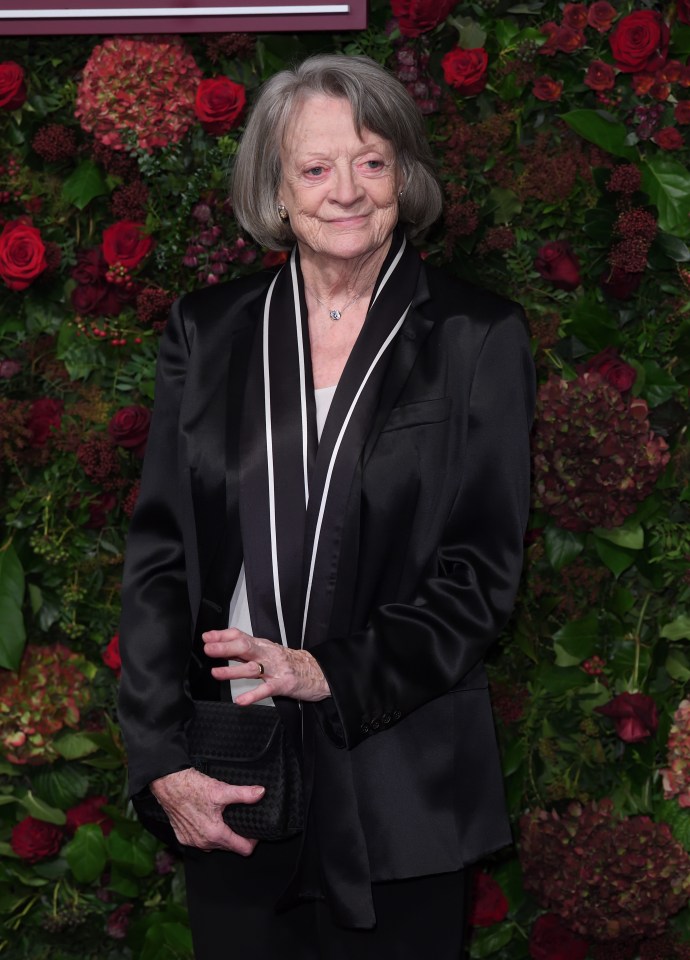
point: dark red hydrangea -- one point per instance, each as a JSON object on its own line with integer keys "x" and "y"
{"x": 498, "y": 239}
{"x": 118, "y": 922}
{"x": 130, "y": 501}
{"x": 595, "y": 456}
{"x": 35, "y": 840}
{"x": 607, "y": 877}
{"x": 100, "y": 509}
{"x": 55, "y": 142}
{"x": 620, "y": 284}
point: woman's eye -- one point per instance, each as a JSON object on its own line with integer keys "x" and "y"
{"x": 315, "y": 171}
{"x": 374, "y": 164}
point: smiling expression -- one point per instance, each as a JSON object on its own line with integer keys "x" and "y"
{"x": 340, "y": 189}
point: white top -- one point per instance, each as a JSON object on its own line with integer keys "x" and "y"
{"x": 239, "y": 605}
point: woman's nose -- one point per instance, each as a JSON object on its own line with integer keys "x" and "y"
{"x": 346, "y": 189}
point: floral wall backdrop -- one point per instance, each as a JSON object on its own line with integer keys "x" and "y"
{"x": 562, "y": 133}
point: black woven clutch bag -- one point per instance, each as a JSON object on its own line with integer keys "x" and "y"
{"x": 242, "y": 746}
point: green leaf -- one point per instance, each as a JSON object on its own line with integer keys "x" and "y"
{"x": 677, "y": 817}
{"x": 504, "y": 32}
{"x": 680, "y": 39}
{"x": 74, "y": 746}
{"x": 674, "y": 248}
{"x": 514, "y": 756}
{"x": 167, "y": 940}
{"x": 130, "y": 855}
{"x": 41, "y": 810}
{"x": 631, "y": 537}
{"x": 123, "y": 883}
{"x": 86, "y": 853}
{"x": 84, "y": 184}
{"x": 562, "y": 546}
{"x": 677, "y": 666}
{"x": 503, "y": 204}
{"x": 509, "y": 876}
{"x": 616, "y": 558}
{"x": 559, "y": 680}
{"x": 593, "y": 696}
{"x": 576, "y": 641}
{"x": 667, "y": 182}
{"x": 678, "y": 629}
{"x": 12, "y": 630}
{"x": 607, "y": 134}
{"x": 61, "y": 784}
{"x": 487, "y": 940}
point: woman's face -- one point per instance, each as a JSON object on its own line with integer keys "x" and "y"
{"x": 340, "y": 190}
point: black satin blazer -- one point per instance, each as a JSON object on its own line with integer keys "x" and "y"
{"x": 402, "y": 765}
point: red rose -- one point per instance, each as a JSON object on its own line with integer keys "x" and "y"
{"x": 635, "y": 714}
{"x": 22, "y": 254}
{"x": 117, "y": 923}
{"x": 681, "y": 111}
{"x": 620, "y": 284}
{"x": 672, "y": 72}
{"x": 575, "y": 15}
{"x": 668, "y": 138}
{"x": 489, "y": 903}
{"x": 99, "y": 510}
{"x": 111, "y": 654}
{"x": 91, "y": 266}
{"x": 419, "y": 16}
{"x": 219, "y": 104}
{"x": 89, "y": 811}
{"x": 126, "y": 243}
{"x": 600, "y": 76}
{"x": 660, "y": 91}
{"x": 465, "y": 70}
{"x": 550, "y": 31}
{"x": 551, "y": 940}
{"x": 642, "y": 83}
{"x": 601, "y": 15}
{"x": 640, "y": 42}
{"x": 683, "y": 11}
{"x": 87, "y": 299}
{"x": 12, "y": 85}
{"x": 44, "y": 416}
{"x": 34, "y": 840}
{"x": 129, "y": 428}
{"x": 568, "y": 40}
{"x": 557, "y": 263}
{"x": 545, "y": 88}
{"x": 618, "y": 373}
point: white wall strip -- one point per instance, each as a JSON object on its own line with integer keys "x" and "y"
{"x": 75, "y": 13}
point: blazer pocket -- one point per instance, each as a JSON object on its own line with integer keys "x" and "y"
{"x": 418, "y": 413}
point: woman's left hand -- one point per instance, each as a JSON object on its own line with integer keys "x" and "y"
{"x": 286, "y": 673}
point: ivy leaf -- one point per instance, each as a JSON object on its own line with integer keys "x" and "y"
{"x": 84, "y": 184}
{"x": 667, "y": 183}
{"x": 130, "y": 855}
{"x": 576, "y": 641}
{"x": 678, "y": 629}
{"x": 13, "y": 632}
{"x": 631, "y": 537}
{"x": 562, "y": 546}
{"x": 616, "y": 558}
{"x": 41, "y": 810}
{"x": 86, "y": 853}
{"x": 607, "y": 134}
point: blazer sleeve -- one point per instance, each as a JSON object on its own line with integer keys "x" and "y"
{"x": 155, "y": 627}
{"x": 410, "y": 653}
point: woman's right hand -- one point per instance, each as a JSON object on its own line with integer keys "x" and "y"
{"x": 195, "y": 803}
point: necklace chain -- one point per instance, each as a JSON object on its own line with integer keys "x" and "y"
{"x": 333, "y": 312}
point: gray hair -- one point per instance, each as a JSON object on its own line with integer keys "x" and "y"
{"x": 379, "y": 103}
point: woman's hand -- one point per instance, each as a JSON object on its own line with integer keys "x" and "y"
{"x": 286, "y": 673}
{"x": 195, "y": 803}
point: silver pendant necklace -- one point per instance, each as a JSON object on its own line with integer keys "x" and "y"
{"x": 334, "y": 313}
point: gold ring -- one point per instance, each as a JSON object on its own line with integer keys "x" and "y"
{"x": 261, "y": 668}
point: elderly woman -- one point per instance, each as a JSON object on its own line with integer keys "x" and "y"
{"x": 337, "y": 472}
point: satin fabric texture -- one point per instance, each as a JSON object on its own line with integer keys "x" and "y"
{"x": 419, "y": 572}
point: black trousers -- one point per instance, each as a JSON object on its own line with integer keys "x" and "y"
{"x": 231, "y": 906}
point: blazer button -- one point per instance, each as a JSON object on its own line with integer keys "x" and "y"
{"x": 375, "y": 725}
{"x": 396, "y": 714}
{"x": 386, "y": 718}
{"x": 364, "y": 728}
